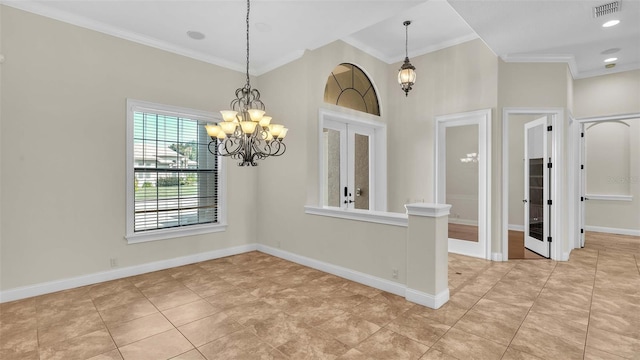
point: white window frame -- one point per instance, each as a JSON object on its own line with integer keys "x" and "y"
{"x": 377, "y": 156}
{"x": 161, "y": 234}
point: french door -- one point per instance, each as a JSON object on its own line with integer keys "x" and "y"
{"x": 536, "y": 187}
{"x": 348, "y": 166}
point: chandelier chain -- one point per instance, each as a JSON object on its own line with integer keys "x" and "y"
{"x": 248, "y": 9}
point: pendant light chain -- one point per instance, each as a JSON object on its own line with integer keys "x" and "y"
{"x": 248, "y": 9}
{"x": 406, "y": 40}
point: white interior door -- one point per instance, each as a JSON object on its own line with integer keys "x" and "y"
{"x": 462, "y": 168}
{"x": 536, "y": 187}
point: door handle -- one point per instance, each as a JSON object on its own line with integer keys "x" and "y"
{"x": 586, "y": 198}
{"x": 524, "y": 201}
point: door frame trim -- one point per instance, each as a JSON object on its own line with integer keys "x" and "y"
{"x": 557, "y": 178}
{"x": 483, "y": 118}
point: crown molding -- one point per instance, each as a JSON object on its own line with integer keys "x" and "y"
{"x": 415, "y": 53}
{"x": 42, "y": 9}
{"x": 605, "y": 71}
{"x": 544, "y": 58}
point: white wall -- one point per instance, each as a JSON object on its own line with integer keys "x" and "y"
{"x": 63, "y": 148}
{"x": 457, "y": 79}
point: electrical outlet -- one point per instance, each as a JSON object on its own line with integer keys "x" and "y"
{"x": 113, "y": 262}
{"x": 394, "y": 273}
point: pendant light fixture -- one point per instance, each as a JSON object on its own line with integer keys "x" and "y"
{"x": 246, "y": 133}
{"x": 407, "y": 74}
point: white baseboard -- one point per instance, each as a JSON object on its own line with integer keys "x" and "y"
{"x": 428, "y": 300}
{"x": 632, "y": 232}
{"x": 496, "y": 256}
{"x": 433, "y": 301}
{"x": 515, "y": 227}
{"x": 64, "y": 284}
{"x": 463, "y": 221}
{"x": 353, "y": 275}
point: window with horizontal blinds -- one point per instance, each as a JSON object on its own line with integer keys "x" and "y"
{"x": 176, "y": 179}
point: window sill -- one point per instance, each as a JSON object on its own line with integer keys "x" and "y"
{"x": 172, "y": 233}
{"x": 378, "y": 217}
{"x": 609, "y": 197}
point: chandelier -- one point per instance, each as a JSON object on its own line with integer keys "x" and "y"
{"x": 407, "y": 74}
{"x": 246, "y": 134}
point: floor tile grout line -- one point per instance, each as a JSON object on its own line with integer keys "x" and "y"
{"x": 529, "y": 311}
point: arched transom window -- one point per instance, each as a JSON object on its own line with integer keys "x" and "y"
{"x": 348, "y": 86}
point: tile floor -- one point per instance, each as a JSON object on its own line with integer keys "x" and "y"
{"x": 255, "y": 306}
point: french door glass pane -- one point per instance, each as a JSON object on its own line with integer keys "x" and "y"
{"x": 331, "y": 167}
{"x": 361, "y": 171}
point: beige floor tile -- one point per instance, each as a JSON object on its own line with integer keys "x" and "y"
{"x": 447, "y": 314}
{"x": 116, "y": 315}
{"x": 313, "y": 344}
{"x": 121, "y": 298}
{"x": 51, "y": 315}
{"x": 561, "y": 311}
{"x": 349, "y": 329}
{"x": 595, "y": 354}
{"x": 386, "y": 344}
{"x": 138, "y": 329}
{"x": 109, "y": 355}
{"x": 354, "y": 354}
{"x": 434, "y": 354}
{"x": 230, "y": 299}
{"x": 209, "y": 329}
{"x": 463, "y": 345}
{"x": 239, "y": 345}
{"x": 625, "y": 323}
{"x": 545, "y": 345}
{"x": 19, "y": 339}
{"x": 513, "y": 354}
{"x": 62, "y": 299}
{"x": 161, "y": 346}
{"x": 10, "y": 354}
{"x": 110, "y": 287}
{"x": 278, "y": 329}
{"x": 81, "y": 347}
{"x": 173, "y": 299}
{"x": 70, "y": 328}
{"x": 251, "y": 312}
{"x": 377, "y": 311}
{"x": 187, "y": 313}
{"x": 190, "y": 355}
{"x": 493, "y": 321}
{"x": 562, "y": 328}
{"x": 161, "y": 288}
{"x": 613, "y": 343}
{"x": 418, "y": 328}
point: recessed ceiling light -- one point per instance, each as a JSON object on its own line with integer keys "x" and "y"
{"x": 195, "y": 35}
{"x": 610, "y": 59}
{"x": 611, "y": 23}
{"x": 610, "y": 51}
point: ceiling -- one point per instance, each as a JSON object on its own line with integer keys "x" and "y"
{"x": 544, "y": 31}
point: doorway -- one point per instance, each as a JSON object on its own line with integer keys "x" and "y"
{"x": 608, "y": 187}
{"x": 530, "y": 183}
{"x": 463, "y": 163}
